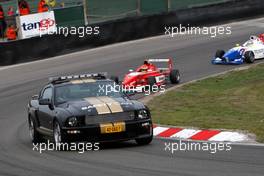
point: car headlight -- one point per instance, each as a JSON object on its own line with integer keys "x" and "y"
{"x": 142, "y": 114}
{"x": 72, "y": 122}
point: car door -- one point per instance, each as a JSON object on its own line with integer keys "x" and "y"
{"x": 46, "y": 112}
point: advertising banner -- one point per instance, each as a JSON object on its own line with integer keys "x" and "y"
{"x": 36, "y": 24}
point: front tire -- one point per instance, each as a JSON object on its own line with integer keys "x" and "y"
{"x": 219, "y": 54}
{"x": 175, "y": 76}
{"x": 33, "y": 133}
{"x": 144, "y": 141}
{"x": 58, "y": 135}
{"x": 249, "y": 57}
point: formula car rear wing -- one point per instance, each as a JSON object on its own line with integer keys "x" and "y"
{"x": 160, "y": 64}
{"x": 159, "y": 60}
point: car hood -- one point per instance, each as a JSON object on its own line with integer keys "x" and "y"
{"x": 100, "y": 105}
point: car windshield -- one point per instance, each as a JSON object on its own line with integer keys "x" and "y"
{"x": 71, "y": 92}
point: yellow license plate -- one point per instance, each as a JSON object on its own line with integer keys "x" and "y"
{"x": 113, "y": 127}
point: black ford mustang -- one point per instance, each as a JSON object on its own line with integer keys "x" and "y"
{"x": 78, "y": 108}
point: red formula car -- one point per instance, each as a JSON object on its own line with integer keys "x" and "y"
{"x": 152, "y": 72}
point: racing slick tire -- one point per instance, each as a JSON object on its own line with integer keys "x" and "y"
{"x": 219, "y": 54}
{"x": 151, "y": 81}
{"x": 115, "y": 79}
{"x": 249, "y": 57}
{"x": 58, "y": 135}
{"x": 33, "y": 133}
{"x": 144, "y": 141}
{"x": 175, "y": 76}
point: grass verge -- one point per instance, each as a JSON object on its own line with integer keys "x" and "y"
{"x": 231, "y": 101}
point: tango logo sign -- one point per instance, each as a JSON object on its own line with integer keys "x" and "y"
{"x": 45, "y": 24}
{"x": 34, "y": 24}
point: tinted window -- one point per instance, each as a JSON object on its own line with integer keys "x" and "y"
{"x": 47, "y": 94}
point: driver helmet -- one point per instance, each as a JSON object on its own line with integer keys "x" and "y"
{"x": 253, "y": 37}
{"x": 146, "y": 62}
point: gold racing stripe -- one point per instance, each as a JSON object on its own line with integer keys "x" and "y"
{"x": 100, "y": 107}
{"x": 81, "y": 81}
{"x": 78, "y": 81}
{"x": 88, "y": 80}
{"x": 112, "y": 104}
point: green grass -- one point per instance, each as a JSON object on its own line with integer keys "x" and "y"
{"x": 231, "y": 101}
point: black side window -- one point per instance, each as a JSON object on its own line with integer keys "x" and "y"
{"x": 47, "y": 93}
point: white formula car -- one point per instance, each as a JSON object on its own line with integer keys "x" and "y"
{"x": 250, "y": 51}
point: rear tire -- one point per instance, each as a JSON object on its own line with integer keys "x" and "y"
{"x": 33, "y": 133}
{"x": 249, "y": 57}
{"x": 175, "y": 76}
{"x": 219, "y": 54}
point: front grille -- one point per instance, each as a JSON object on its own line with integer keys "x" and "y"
{"x": 106, "y": 118}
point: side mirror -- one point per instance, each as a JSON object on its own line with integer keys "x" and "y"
{"x": 45, "y": 101}
{"x": 131, "y": 70}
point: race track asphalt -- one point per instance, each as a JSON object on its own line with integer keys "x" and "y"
{"x": 192, "y": 56}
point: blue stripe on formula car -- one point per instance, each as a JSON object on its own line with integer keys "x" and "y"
{"x": 234, "y": 57}
{"x": 225, "y": 62}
